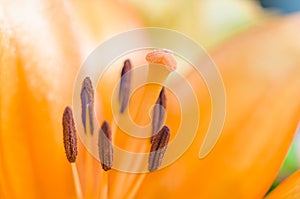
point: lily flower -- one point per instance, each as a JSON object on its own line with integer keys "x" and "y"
{"x": 260, "y": 69}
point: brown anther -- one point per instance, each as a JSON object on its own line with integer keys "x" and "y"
{"x": 69, "y": 135}
{"x": 159, "y": 112}
{"x": 105, "y": 146}
{"x": 125, "y": 85}
{"x": 87, "y": 102}
{"x": 158, "y": 148}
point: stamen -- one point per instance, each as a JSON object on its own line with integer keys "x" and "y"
{"x": 70, "y": 144}
{"x": 69, "y": 134}
{"x": 158, "y": 148}
{"x": 105, "y": 146}
{"x": 76, "y": 181}
{"x": 87, "y": 104}
{"x": 125, "y": 85}
{"x": 159, "y": 112}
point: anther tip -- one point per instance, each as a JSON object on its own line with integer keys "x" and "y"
{"x": 106, "y": 129}
{"x": 67, "y": 111}
{"x": 87, "y": 80}
{"x": 166, "y": 129}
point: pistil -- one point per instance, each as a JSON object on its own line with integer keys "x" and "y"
{"x": 161, "y": 64}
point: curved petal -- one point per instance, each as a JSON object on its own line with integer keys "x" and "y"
{"x": 261, "y": 73}
{"x": 39, "y": 59}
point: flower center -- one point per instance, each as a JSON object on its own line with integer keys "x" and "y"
{"x": 161, "y": 63}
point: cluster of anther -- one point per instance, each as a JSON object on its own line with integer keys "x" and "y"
{"x": 159, "y": 139}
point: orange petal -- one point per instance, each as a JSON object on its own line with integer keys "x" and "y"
{"x": 261, "y": 73}
{"x": 39, "y": 59}
{"x": 288, "y": 189}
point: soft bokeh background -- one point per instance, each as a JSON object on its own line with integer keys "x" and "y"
{"x": 207, "y": 21}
